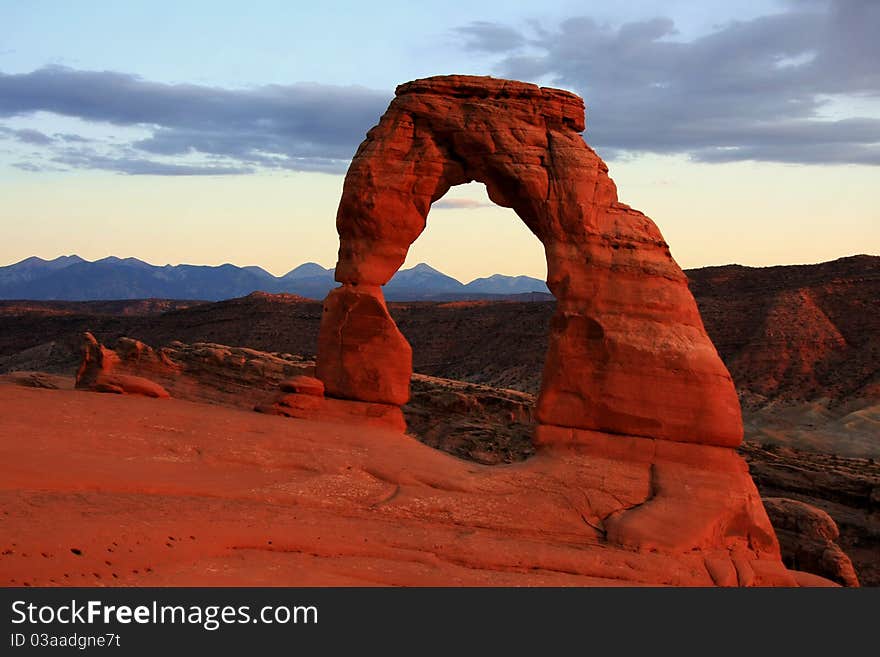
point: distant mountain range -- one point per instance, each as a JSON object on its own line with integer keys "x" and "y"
{"x": 71, "y": 278}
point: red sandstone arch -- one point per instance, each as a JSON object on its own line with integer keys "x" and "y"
{"x": 627, "y": 353}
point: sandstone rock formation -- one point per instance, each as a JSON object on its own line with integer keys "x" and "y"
{"x": 365, "y": 357}
{"x": 634, "y": 479}
{"x": 847, "y": 489}
{"x": 303, "y": 397}
{"x": 98, "y": 371}
{"x": 630, "y": 374}
{"x": 808, "y": 536}
{"x": 230, "y": 376}
{"x": 304, "y": 385}
{"x": 203, "y": 371}
{"x": 628, "y": 353}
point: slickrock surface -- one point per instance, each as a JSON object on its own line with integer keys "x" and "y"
{"x": 475, "y": 422}
{"x": 627, "y": 349}
{"x": 126, "y": 490}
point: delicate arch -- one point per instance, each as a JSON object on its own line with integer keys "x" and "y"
{"x": 627, "y": 351}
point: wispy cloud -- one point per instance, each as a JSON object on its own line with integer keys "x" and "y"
{"x": 30, "y": 167}
{"x": 308, "y": 127}
{"x": 26, "y": 136}
{"x": 490, "y": 37}
{"x": 135, "y": 166}
{"x": 751, "y": 90}
{"x": 459, "y": 204}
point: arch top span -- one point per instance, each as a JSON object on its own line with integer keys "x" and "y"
{"x": 627, "y": 352}
{"x": 556, "y": 105}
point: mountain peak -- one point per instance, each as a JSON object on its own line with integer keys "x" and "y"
{"x": 423, "y": 267}
{"x": 114, "y": 260}
{"x": 502, "y": 284}
{"x": 306, "y": 270}
{"x": 113, "y": 277}
{"x": 256, "y": 269}
{"x": 71, "y": 259}
{"x": 36, "y": 261}
{"x": 32, "y": 268}
{"x": 33, "y": 260}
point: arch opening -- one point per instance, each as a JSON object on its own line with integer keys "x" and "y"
{"x": 469, "y": 237}
{"x": 477, "y": 361}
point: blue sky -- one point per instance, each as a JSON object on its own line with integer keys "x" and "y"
{"x": 242, "y": 44}
{"x": 221, "y": 123}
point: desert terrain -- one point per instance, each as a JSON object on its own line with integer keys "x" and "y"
{"x": 236, "y": 350}
{"x": 810, "y": 418}
{"x": 173, "y": 493}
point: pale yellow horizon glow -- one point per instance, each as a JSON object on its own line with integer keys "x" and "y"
{"x": 711, "y": 214}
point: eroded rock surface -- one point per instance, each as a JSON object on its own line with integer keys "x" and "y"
{"x": 627, "y": 353}
{"x": 99, "y": 371}
{"x": 365, "y": 357}
{"x": 809, "y": 540}
{"x": 203, "y": 371}
{"x": 303, "y": 398}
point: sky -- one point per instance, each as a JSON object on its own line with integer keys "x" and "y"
{"x": 212, "y": 132}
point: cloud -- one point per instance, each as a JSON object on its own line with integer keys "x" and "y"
{"x": 70, "y": 137}
{"x": 135, "y": 166}
{"x": 760, "y": 89}
{"x": 749, "y": 90}
{"x": 490, "y": 37}
{"x": 26, "y": 136}
{"x": 459, "y": 204}
{"x": 30, "y": 167}
{"x": 308, "y": 127}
